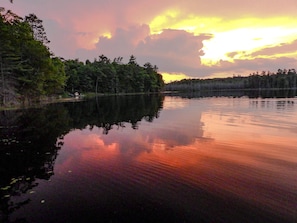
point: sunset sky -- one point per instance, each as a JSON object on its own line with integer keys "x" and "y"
{"x": 191, "y": 38}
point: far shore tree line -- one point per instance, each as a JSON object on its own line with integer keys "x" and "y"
{"x": 29, "y": 71}
{"x": 282, "y": 79}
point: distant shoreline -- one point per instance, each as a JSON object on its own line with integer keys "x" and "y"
{"x": 231, "y": 89}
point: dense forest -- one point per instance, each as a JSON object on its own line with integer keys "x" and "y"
{"x": 282, "y": 79}
{"x": 29, "y": 70}
{"x": 106, "y": 76}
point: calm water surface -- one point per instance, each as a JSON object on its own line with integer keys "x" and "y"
{"x": 151, "y": 159}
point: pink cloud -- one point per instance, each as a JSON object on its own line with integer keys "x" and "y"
{"x": 74, "y": 26}
{"x": 177, "y": 51}
{"x": 62, "y": 38}
{"x": 281, "y": 49}
{"x": 173, "y": 48}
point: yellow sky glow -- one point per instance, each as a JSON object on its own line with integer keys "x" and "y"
{"x": 231, "y": 38}
{"x": 244, "y": 41}
{"x": 170, "y": 77}
{"x": 107, "y": 35}
{"x": 202, "y": 39}
{"x": 241, "y": 36}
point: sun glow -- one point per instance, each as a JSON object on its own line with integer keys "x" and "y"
{"x": 232, "y": 39}
{"x": 241, "y": 43}
{"x": 169, "y": 77}
{"x": 107, "y": 35}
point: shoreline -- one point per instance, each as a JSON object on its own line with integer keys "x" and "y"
{"x": 50, "y": 100}
{"x": 59, "y": 99}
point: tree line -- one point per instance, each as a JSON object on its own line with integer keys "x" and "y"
{"x": 106, "y": 76}
{"x": 30, "y": 71}
{"x": 282, "y": 79}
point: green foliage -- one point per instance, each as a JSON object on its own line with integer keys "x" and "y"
{"x": 104, "y": 76}
{"x": 9, "y": 56}
{"x": 27, "y": 69}
{"x": 37, "y": 28}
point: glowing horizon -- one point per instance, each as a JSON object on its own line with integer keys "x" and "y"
{"x": 240, "y": 35}
{"x": 192, "y": 39}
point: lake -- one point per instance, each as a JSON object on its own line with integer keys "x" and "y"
{"x": 151, "y": 158}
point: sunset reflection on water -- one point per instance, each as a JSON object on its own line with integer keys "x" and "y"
{"x": 229, "y": 147}
{"x": 151, "y": 158}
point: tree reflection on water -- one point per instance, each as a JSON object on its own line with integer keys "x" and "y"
{"x": 31, "y": 138}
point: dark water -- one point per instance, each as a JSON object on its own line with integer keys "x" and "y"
{"x": 151, "y": 159}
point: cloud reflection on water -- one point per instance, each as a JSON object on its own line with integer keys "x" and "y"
{"x": 227, "y": 146}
